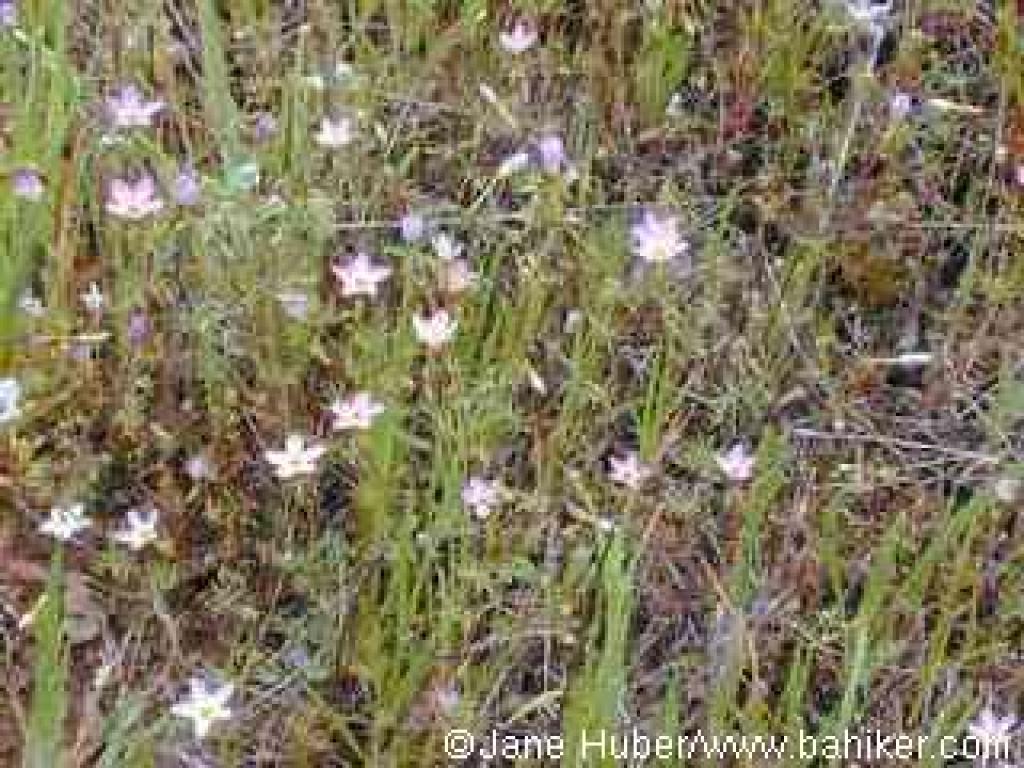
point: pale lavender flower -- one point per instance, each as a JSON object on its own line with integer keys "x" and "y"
{"x": 656, "y": 239}
{"x": 900, "y": 105}
{"x": 265, "y": 127}
{"x": 186, "y": 188}
{"x": 81, "y": 352}
{"x": 480, "y": 496}
{"x": 335, "y": 132}
{"x": 138, "y": 326}
{"x": 412, "y": 226}
{"x": 133, "y": 200}
{"x": 357, "y": 412}
{"x": 8, "y": 13}
{"x": 27, "y": 184}
{"x": 737, "y": 463}
{"x": 1018, "y": 174}
{"x": 436, "y": 329}
{"x": 553, "y": 158}
{"x": 198, "y": 467}
{"x": 128, "y": 108}
{"x": 360, "y": 276}
{"x": 518, "y": 38}
{"x": 629, "y": 471}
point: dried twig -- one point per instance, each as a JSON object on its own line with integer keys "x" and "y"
{"x": 896, "y": 442}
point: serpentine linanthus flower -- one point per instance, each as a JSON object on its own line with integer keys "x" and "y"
{"x": 133, "y": 200}
{"x": 360, "y": 276}
{"x": 356, "y": 412}
{"x": 436, "y": 329}
{"x": 205, "y": 704}
{"x": 65, "y": 522}
{"x": 299, "y": 457}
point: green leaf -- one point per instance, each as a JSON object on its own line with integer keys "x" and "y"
{"x": 48, "y": 707}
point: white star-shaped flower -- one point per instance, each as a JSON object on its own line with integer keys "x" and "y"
{"x": 446, "y": 247}
{"x": 480, "y": 496}
{"x": 31, "y": 305}
{"x": 64, "y": 523}
{"x": 435, "y": 330}
{"x": 514, "y": 163}
{"x": 992, "y": 732}
{"x": 868, "y": 12}
{"x": 518, "y": 38}
{"x": 356, "y": 412}
{"x": 335, "y": 132}
{"x": 737, "y": 463}
{"x": 93, "y": 299}
{"x": 133, "y": 200}
{"x": 656, "y": 239}
{"x": 10, "y": 393}
{"x": 629, "y": 471}
{"x": 139, "y": 529}
{"x": 204, "y": 705}
{"x": 128, "y": 108}
{"x": 360, "y": 276}
{"x": 299, "y": 457}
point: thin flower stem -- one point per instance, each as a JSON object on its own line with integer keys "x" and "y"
{"x": 877, "y": 34}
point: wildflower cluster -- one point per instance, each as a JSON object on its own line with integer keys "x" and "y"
{"x": 388, "y": 376}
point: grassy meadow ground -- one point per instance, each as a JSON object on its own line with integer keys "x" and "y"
{"x": 843, "y": 296}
